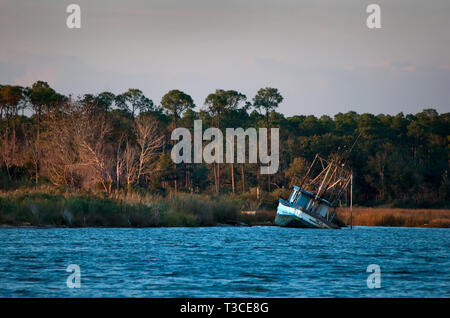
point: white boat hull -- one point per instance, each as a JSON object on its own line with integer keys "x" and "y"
{"x": 289, "y": 215}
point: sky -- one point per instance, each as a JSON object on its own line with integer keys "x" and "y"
{"x": 318, "y": 53}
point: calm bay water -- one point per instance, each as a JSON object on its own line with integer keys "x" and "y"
{"x": 225, "y": 262}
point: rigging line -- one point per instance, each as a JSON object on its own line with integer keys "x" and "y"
{"x": 347, "y": 155}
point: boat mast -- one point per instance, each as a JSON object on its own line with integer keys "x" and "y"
{"x": 351, "y": 200}
{"x": 307, "y": 172}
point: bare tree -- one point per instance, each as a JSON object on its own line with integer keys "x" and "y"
{"x": 149, "y": 141}
{"x": 120, "y": 162}
{"x": 138, "y": 159}
{"x": 129, "y": 159}
{"x": 60, "y": 151}
{"x": 32, "y": 147}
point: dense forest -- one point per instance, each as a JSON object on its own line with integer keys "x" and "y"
{"x": 109, "y": 143}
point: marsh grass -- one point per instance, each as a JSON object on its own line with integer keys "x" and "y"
{"x": 396, "y": 217}
{"x": 50, "y": 206}
{"x": 55, "y": 208}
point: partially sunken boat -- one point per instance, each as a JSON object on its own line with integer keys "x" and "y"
{"x": 313, "y": 203}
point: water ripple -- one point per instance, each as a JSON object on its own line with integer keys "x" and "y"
{"x": 225, "y": 262}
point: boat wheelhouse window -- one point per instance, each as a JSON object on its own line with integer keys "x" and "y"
{"x": 293, "y": 196}
{"x": 303, "y": 200}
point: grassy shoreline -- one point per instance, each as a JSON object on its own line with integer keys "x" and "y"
{"x": 58, "y": 209}
{"x": 67, "y": 210}
{"x": 437, "y": 218}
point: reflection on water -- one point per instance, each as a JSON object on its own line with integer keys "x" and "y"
{"x": 225, "y": 262}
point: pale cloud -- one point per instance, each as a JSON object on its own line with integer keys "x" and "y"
{"x": 393, "y": 66}
{"x": 35, "y": 73}
{"x": 319, "y": 54}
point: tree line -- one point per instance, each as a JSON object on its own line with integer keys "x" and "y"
{"x": 106, "y": 142}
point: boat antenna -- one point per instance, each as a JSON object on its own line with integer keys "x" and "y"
{"x": 356, "y": 140}
{"x": 347, "y": 155}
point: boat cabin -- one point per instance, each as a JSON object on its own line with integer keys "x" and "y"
{"x": 308, "y": 202}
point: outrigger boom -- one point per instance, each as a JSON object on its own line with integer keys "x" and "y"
{"x": 313, "y": 203}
